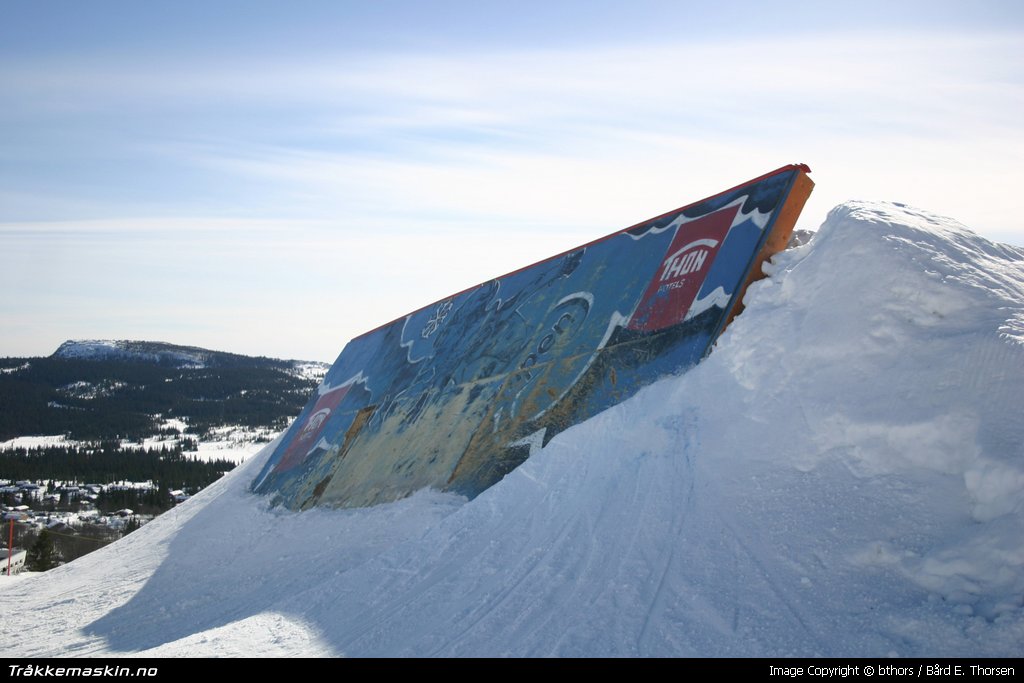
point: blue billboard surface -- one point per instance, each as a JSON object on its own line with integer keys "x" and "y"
{"x": 456, "y": 394}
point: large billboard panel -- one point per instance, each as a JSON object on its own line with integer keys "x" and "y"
{"x": 456, "y": 394}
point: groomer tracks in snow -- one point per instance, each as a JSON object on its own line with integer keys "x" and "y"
{"x": 843, "y": 475}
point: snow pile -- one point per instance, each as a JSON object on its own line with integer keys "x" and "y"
{"x": 842, "y": 476}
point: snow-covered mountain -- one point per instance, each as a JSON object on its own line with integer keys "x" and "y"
{"x": 147, "y": 395}
{"x": 153, "y": 352}
{"x": 176, "y": 356}
{"x": 844, "y": 475}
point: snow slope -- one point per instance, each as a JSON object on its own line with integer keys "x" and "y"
{"x": 844, "y": 475}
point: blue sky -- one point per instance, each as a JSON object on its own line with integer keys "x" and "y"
{"x": 275, "y": 178}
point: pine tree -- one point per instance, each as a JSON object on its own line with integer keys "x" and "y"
{"x": 42, "y": 556}
{"x": 132, "y": 524}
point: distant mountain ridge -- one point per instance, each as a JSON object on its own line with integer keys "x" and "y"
{"x": 177, "y": 356}
{"x": 121, "y": 389}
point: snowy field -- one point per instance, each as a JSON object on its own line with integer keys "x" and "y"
{"x": 58, "y": 440}
{"x": 235, "y": 443}
{"x": 844, "y": 475}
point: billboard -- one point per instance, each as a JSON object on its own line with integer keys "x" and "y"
{"x": 456, "y": 394}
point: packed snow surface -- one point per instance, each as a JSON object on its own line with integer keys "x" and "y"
{"x": 844, "y": 475}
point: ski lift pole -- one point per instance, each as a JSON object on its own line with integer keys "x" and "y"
{"x": 10, "y": 548}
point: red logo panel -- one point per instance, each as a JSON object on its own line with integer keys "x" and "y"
{"x": 312, "y": 428}
{"x": 681, "y": 273}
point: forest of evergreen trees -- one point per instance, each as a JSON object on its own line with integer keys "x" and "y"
{"x": 108, "y": 463}
{"x": 90, "y": 399}
{"x": 100, "y": 400}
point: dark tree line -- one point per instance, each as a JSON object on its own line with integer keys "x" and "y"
{"x": 152, "y": 501}
{"x": 107, "y": 463}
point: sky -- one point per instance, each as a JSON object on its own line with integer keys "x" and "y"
{"x": 276, "y": 178}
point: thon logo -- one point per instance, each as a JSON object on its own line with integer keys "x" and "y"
{"x": 681, "y": 274}
{"x": 689, "y": 259}
{"x": 314, "y": 424}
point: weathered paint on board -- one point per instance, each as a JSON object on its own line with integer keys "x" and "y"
{"x": 455, "y": 395}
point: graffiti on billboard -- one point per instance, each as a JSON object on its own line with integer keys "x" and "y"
{"x": 457, "y": 394}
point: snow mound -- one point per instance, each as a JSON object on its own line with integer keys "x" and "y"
{"x": 842, "y": 476}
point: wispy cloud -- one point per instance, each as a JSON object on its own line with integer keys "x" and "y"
{"x": 555, "y": 130}
{"x": 387, "y": 181}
